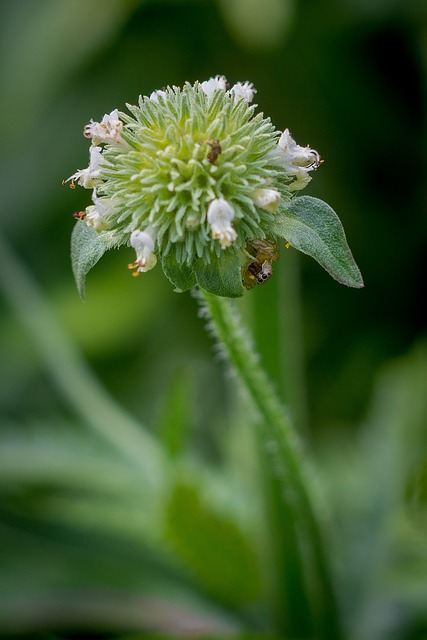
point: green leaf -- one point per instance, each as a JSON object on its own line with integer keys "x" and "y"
{"x": 212, "y": 546}
{"x": 222, "y": 276}
{"x": 180, "y": 275}
{"x": 175, "y": 420}
{"x": 312, "y": 226}
{"x": 87, "y": 247}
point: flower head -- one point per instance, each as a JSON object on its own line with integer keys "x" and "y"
{"x": 189, "y": 177}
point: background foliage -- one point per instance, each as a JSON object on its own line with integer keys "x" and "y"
{"x": 109, "y": 527}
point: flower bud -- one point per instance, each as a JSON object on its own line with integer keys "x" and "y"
{"x": 143, "y": 243}
{"x": 220, "y": 214}
{"x": 268, "y": 199}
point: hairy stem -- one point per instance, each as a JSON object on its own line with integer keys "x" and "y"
{"x": 291, "y": 493}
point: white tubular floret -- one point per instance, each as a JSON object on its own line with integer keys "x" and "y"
{"x": 96, "y": 214}
{"x": 301, "y": 180}
{"x": 155, "y": 95}
{"x": 219, "y": 83}
{"x": 143, "y": 243}
{"x": 91, "y": 176}
{"x": 219, "y": 216}
{"x": 108, "y": 130}
{"x": 268, "y": 199}
{"x": 243, "y": 91}
{"x": 295, "y": 155}
{"x": 296, "y": 160}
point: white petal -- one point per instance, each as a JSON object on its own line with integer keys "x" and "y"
{"x": 220, "y": 211}
{"x": 219, "y": 216}
{"x": 96, "y": 214}
{"x": 143, "y": 243}
{"x": 302, "y": 180}
{"x": 108, "y": 130}
{"x": 268, "y": 199}
{"x": 219, "y": 83}
{"x": 294, "y": 157}
{"x": 94, "y": 219}
{"x": 243, "y": 91}
{"x": 225, "y": 235}
{"x": 91, "y": 176}
{"x": 156, "y": 94}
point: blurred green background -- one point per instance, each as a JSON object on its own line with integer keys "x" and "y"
{"x": 349, "y": 78}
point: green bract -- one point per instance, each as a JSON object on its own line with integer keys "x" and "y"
{"x": 190, "y": 180}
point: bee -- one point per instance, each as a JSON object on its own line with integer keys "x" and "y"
{"x": 215, "y": 150}
{"x": 258, "y": 268}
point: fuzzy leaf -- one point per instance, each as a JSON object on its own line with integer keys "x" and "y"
{"x": 222, "y": 276}
{"x": 312, "y": 226}
{"x": 212, "y": 546}
{"x": 180, "y": 275}
{"x": 87, "y": 247}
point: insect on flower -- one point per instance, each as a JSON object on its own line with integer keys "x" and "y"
{"x": 215, "y": 151}
{"x": 258, "y": 268}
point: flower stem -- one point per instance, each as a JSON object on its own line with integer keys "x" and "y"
{"x": 290, "y": 492}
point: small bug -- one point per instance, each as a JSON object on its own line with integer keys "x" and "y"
{"x": 215, "y": 151}
{"x": 258, "y": 269}
{"x": 316, "y": 162}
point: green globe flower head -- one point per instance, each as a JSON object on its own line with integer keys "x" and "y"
{"x": 194, "y": 179}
